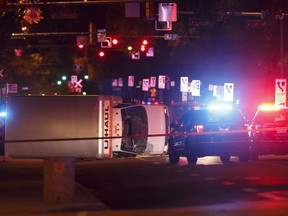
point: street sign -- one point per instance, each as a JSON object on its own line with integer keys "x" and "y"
{"x": 73, "y": 79}
{"x": 78, "y": 84}
{"x": 150, "y": 52}
{"x": 195, "y": 87}
{"x": 135, "y": 55}
{"x": 228, "y": 91}
{"x": 120, "y": 82}
{"x": 280, "y": 92}
{"x": 145, "y": 85}
{"x": 11, "y": 88}
{"x": 184, "y": 97}
{"x": 107, "y": 43}
{"x": 161, "y": 82}
{"x": 115, "y": 82}
{"x": 153, "y": 82}
{"x": 130, "y": 81}
{"x": 170, "y": 36}
{"x": 184, "y": 84}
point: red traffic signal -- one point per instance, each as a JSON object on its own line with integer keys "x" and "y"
{"x": 82, "y": 41}
{"x": 143, "y": 48}
{"x": 101, "y": 54}
{"x": 144, "y": 42}
{"x": 115, "y": 41}
{"x": 143, "y": 45}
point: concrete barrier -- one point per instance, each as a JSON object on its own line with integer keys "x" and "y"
{"x": 59, "y": 179}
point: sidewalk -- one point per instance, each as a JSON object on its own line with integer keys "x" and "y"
{"x": 21, "y": 191}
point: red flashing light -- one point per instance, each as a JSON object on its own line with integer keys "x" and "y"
{"x": 115, "y": 41}
{"x": 269, "y": 107}
{"x": 143, "y": 48}
{"x": 144, "y": 42}
{"x": 101, "y": 54}
{"x": 80, "y": 46}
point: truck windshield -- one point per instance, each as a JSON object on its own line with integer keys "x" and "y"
{"x": 135, "y": 129}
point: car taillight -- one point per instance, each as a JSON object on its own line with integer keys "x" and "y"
{"x": 199, "y": 128}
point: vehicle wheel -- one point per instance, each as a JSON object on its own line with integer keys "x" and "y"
{"x": 173, "y": 157}
{"x": 190, "y": 153}
{"x": 192, "y": 158}
{"x": 225, "y": 158}
{"x": 244, "y": 157}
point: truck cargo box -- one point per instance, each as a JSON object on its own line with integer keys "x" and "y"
{"x": 44, "y": 126}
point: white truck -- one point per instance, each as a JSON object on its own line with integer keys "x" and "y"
{"x": 82, "y": 127}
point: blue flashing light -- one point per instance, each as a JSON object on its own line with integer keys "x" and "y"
{"x": 220, "y": 107}
{"x": 3, "y": 114}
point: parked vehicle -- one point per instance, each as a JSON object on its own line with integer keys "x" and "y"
{"x": 176, "y": 110}
{"x": 269, "y": 131}
{"x": 96, "y": 126}
{"x": 76, "y": 126}
{"x": 212, "y": 131}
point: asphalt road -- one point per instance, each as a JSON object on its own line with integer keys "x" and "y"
{"x": 153, "y": 183}
{"x": 152, "y": 186}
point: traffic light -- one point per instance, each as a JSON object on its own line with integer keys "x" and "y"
{"x": 115, "y": 41}
{"x": 144, "y": 42}
{"x": 143, "y": 45}
{"x": 82, "y": 41}
{"x": 101, "y": 54}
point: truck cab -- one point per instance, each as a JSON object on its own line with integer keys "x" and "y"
{"x": 142, "y": 129}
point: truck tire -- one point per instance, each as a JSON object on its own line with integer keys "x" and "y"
{"x": 225, "y": 158}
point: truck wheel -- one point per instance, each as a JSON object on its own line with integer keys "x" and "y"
{"x": 225, "y": 158}
{"x": 173, "y": 157}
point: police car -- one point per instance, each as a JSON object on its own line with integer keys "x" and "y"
{"x": 210, "y": 131}
{"x": 269, "y": 131}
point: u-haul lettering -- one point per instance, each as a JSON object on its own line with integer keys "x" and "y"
{"x": 106, "y": 125}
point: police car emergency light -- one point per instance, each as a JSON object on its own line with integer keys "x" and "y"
{"x": 269, "y": 107}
